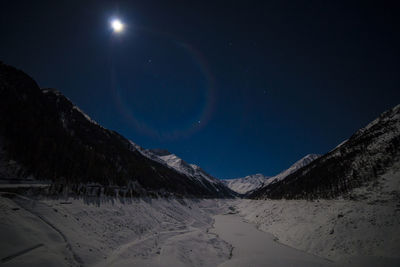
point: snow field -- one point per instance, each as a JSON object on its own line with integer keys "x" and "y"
{"x": 145, "y": 232}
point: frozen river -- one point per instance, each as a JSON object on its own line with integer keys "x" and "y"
{"x": 172, "y": 232}
{"x": 252, "y": 247}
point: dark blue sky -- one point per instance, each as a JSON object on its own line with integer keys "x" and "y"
{"x": 237, "y": 87}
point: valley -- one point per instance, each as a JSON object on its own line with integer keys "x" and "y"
{"x": 198, "y": 232}
{"x": 73, "y": 193}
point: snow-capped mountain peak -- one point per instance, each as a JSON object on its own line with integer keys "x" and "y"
{"x": 253, "y": 182}
{"x": 191, "y": 170}
{"x": 246, "y": 184}
{"x": 367, "y": 155}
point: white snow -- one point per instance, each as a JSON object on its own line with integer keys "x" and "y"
{"x": 297, "y": 165}
{"x": 176, "y": 163}
{"x": 341, "y": 143}
{"x": 246, "y": 184}
{"x": 94, "y": 232}
{"x": 51, "y": 90}
{"x": 252, "y": 247}
{"x": 21, "y": 230}
{"x": 182, "y": 232}
{"x": 85, "y": 115}
{"x": 252, "y": 182}
{"x": 343, "y": 231}
{"x": 190, "y": 170}
{"x": 362, "y": 229}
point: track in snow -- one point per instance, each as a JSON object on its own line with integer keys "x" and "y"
{"x": 19, "y": 253}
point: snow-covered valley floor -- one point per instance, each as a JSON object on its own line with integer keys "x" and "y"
{"x": 189, "y": 232}
{"x": 252, "y": 247}
{"x": 141, "y": 232}
{"x": 349, "y": 233}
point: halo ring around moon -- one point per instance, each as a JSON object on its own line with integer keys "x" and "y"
{"x": 205, "y": 112}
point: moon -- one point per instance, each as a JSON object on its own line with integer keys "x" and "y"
{"x": 117, "y": 25}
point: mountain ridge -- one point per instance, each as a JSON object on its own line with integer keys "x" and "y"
{"x": 53, "y": 140}
{"x": 247, "y": 184}
{"x": 368, "y": 154}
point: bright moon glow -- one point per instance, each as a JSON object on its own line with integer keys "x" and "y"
{"x": 117, "y": 25}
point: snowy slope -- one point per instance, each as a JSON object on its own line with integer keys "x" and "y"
{"x": 360, "y": 229}
{"x": 367, "y": 154}
{"x": 59, "y": 94}
{"x": 62, "y": 144}
{"x": 191, "y": 170}
{"x": 246, "y": 184}
{"x": 297, "y": 165}
{"x": 109, "y": 232}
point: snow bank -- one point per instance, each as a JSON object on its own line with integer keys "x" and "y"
{"x": 150, "y": 232}
{"x": 363, "y": 228}
{"x": 252, "y": 247}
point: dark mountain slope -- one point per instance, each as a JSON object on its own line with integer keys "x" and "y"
{"x": 53, "y": 140}
{"x": 192, "y": 171}
{"x": 366, "y": 155}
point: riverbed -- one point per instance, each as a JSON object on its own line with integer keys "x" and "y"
{"x": 252, "y": 247}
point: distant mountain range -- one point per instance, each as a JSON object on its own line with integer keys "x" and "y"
{"x": 246, "y": 184}
{"x": 250, "y": 183}
{"x": 45, "y": 136}
{"x": 368, "y": 154}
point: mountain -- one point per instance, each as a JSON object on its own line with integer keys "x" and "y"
{"x": 297, "y": 165}
{"x": 190, "y": 170}
{"x": 246, "y": 184}
{"x": 254, "y": 182}
{"x": 49, "y": 138}
{"x": 366, "y": 156}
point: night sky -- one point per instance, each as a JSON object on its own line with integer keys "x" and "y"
{"x": 237, "y": 87}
